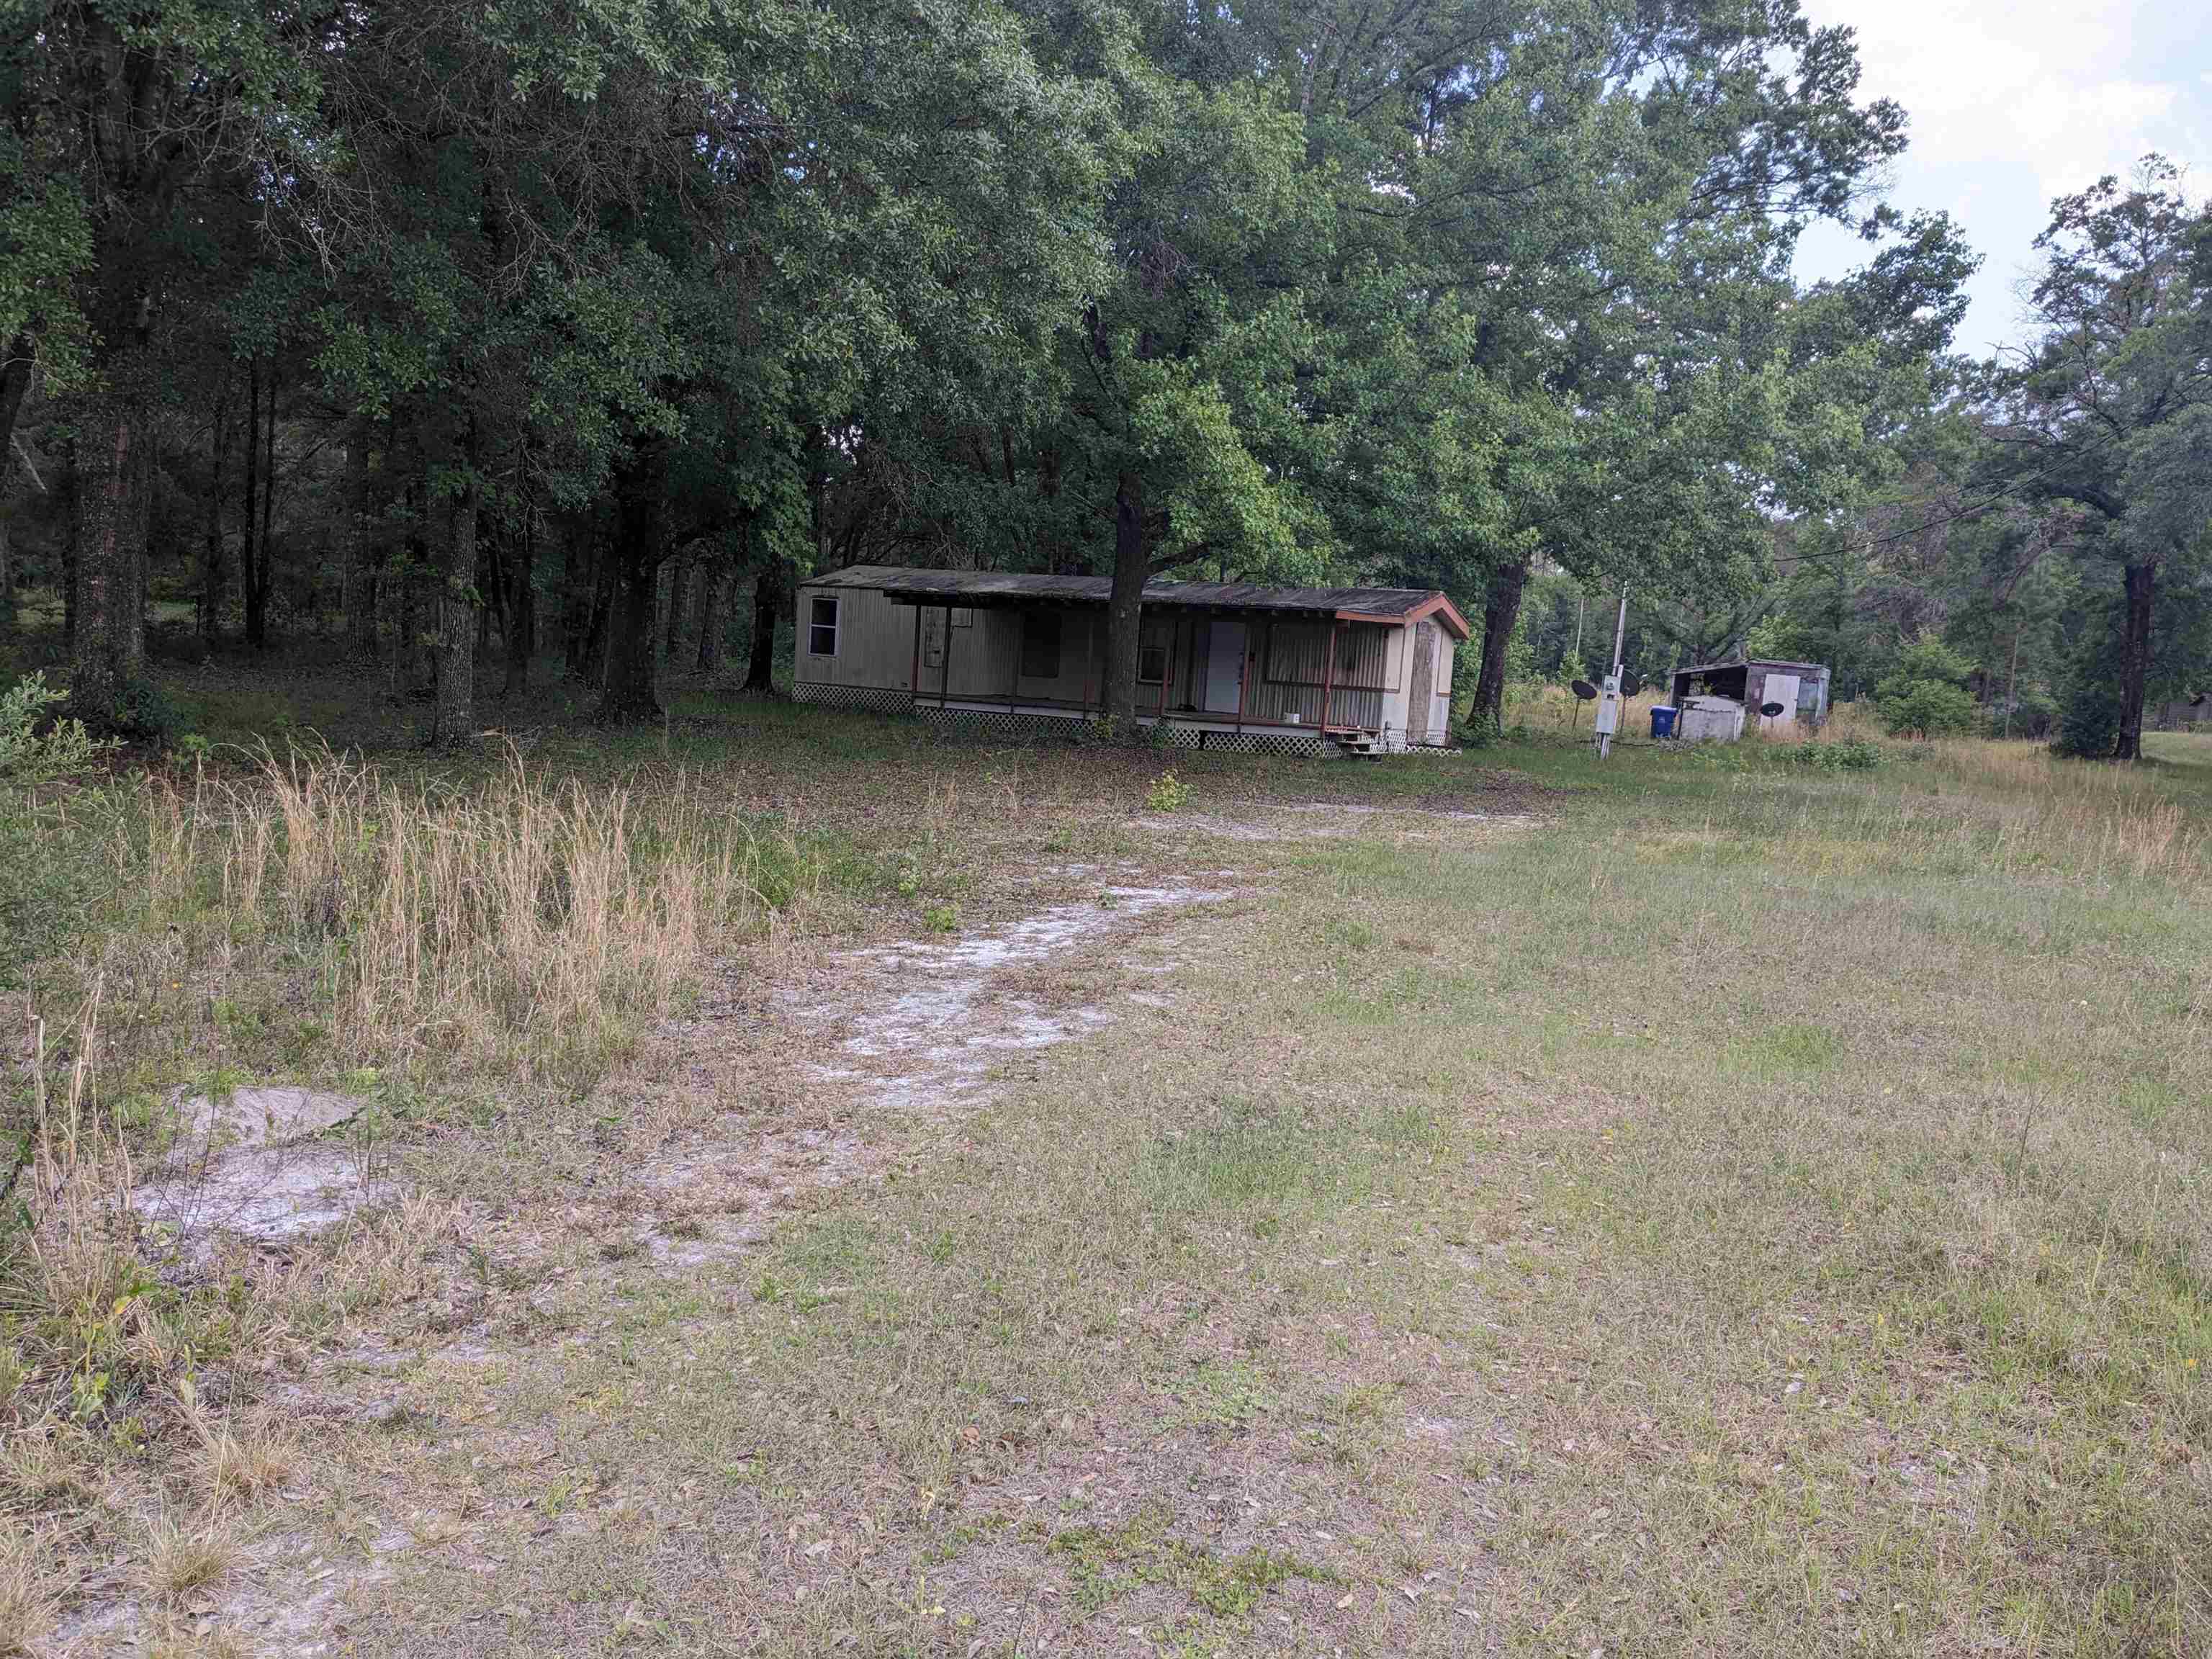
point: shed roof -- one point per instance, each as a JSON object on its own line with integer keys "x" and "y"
{"x": 1749, "y": 662}
{"x": 1000, "y": 587}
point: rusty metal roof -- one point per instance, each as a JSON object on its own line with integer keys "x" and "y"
{"x": 1749, "y": 662}
{"x": 988, "y": 587}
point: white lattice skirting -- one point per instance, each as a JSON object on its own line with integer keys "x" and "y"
{"x": 1007, "y": 723}
{"x": 1018, "y": 726}
{"x": 852, "y": 696}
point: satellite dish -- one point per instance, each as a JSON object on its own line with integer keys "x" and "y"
{"x": 1630, "y": 685}
{"x": 1584, "y": 689}
{"x": 1769, "y": 709}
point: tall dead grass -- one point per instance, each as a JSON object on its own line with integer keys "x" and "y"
{"x": 2103, "y": 818}
{"x": 518, "y": 922}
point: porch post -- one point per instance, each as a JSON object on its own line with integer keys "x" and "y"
{"x": 1014, "y": 674}
{"x": 914, "y": 674}
{"x": 1167, "y": 673}
{"x": 1244, "y": 674}
{"x": 1327, "y": 676}
{"x": 1089, "y": 660}
{"x": 945, "y": 664}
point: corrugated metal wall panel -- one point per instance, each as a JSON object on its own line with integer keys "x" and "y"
{"x": 1075, "y": 660}
{"x": 875, "y": 640}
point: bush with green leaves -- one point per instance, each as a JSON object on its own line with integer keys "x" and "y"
{"x": 2090, "y": 707}
{"x": 1929, "y": 708}
{"x": 1925, "y": 694}
{"x": 34, "y": 747}
{"x": 44, "y": 876}
{"x": 1846, "y": 754}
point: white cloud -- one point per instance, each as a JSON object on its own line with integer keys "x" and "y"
{"x": 2014, "y": 104}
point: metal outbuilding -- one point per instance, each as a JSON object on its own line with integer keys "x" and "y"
{"x": 1719, "y": 698}
{"x": 1228, "y": 665}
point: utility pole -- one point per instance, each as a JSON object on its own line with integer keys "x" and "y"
{"x": 1582, "y": 601}
{"x": 2012, "y": 680}
{"x": 1609, "y": 708}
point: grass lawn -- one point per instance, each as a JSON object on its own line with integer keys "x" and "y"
{"x": 839, "y": 1191}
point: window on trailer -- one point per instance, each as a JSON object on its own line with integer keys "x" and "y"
{"x": 822, "y": 627}
{"x": 1151, "y": 663}
{"x": 1041, "y": 644}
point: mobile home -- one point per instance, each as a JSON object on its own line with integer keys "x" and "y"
{"x": 1227, "y": 665}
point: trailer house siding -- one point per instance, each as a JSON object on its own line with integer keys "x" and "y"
{"x": 1365, "y": 670}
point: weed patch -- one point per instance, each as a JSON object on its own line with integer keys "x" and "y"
{"x": 1108, "y": 1563}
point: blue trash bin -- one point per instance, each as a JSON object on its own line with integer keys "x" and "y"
{"x": 1662, "y": 721}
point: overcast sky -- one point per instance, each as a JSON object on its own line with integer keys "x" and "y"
{"x": 2015, "y": 101}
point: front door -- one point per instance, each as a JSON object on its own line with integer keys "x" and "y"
{"x": 1421, "y": 687}
{"x": 1224, "y": 666}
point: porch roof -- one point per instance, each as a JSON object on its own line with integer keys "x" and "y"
{"x": 1747, "y": 662}
{"x": 983, "y": 588}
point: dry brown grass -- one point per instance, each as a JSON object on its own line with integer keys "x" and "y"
{"x": 27, "y": 1598}
{"x": 510, "y": 924}
{"x": 183, "y": 1554}
{"x": 1430, "y": 1275}
{"x": 235, "y": 1467}
{"x": 2078, "y": 814}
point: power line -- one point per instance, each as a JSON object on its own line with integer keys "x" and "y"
{"x": 1979, "y": 507}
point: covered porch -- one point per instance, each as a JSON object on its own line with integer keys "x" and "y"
{"x": 1209, "y": 669}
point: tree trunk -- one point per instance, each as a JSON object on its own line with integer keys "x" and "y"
{"x": 408, "y": 660}
{"x": 70, "y": 488}
{"x": 679, "y": 591}
{"x": 1047, "y": 471}
{"x": 367, "y": 552}
{"x": 265, "y": 568}
{"x": 107, "y": 645}
{"x": 606, "y": 581}
{"x": 1125, "y": 605}
{"x": 579, "y": 579}
{"x": 760, "y": 669}
{"x": 14, "y": 383}
{"x": 1501, "y": 609}
{"x": 453, "y": 647}
{"x": 2135, "y": 660}
{"x": 522, "y": 610}
{"x": 630, "y": 693}
{"x": 714, "y": 576}
{"x": 256, "y": 622}
{"x": 214, "y": 573}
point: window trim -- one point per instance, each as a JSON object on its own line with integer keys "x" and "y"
{"x": 1144, "y": 650}
{"x": 835, "y": 625}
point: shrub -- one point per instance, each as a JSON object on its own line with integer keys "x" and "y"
{"x": 1166, "y": 794}
{"x": 1848, "y": 755}
{"x": 1925, "y": 694}
{"x": 1927, "y": 658}
{"x": 29, "y": 756}
{"x": 44, "y": 879}
{"x": 2089, "y": 720}
{"x": 1926, "y": 708}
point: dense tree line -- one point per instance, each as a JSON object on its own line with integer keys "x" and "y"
{"x": 574, "y": 331}
{"x": 2050, "y": 527}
